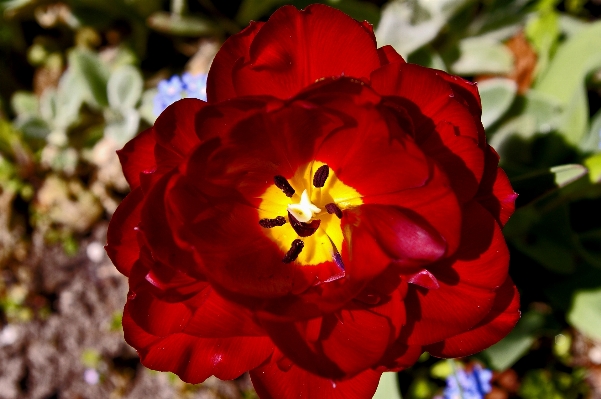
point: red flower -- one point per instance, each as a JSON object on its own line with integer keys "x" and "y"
{"x": 330, "y": 213}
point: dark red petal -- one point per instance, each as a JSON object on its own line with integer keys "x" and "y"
{"x": 435, "y": 202}
{"x": 371, "y": 158}
{"x": 422, "y": 86}
{"x": 157, "y": 317}
{"x": 138, "y": 157}
{"x": 503, "y": 316}
{"x": 176, "y": 126}
{"x": 399, "y": 357}
{"x": 468, "y": 283}
{"x": 459, "y": 156}
{"x": 122, "y": 242}
{"x": 344, "y": 343}
{"x": 404, "y": 236}
{"x": 220, "y": 84}
{"x": 271, "y": 382}
{"x": 388, "y": 55}
{"x": 296, "y": 48}
{"x": 159, "y": 225}
{"x": 495, "y": 192}
{"x": 465, "y": 91}
{"x": 443, "y": 125}
{"x": 195, "y": 359}
{"x": 217, "y": 317}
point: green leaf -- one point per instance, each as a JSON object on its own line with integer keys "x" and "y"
{"x": 255, "y": 9}
{"x": 482, "y": 56}
{"x": 497, "y": 96}
{"x": 565, "y": 76}
{"x": 592, "y": 141}
{"x": 181, "y": 25}
{"x": 91, "y": 73}
{"x": 550, "y": 240}
{"x": 146, "y": 108}
{"x": 24, "y": 103}
{"x": 124, "y": 87}
{"x": 534, "y": 113}
{"x": 585, "y": 312}
{"x": 70, "y": 95}
{"x": 506, "y": 352}
{"x": 594, "y": 168}
{"x": 543, "y": 32}
{"x": 388, "y": 388}
{"x": 122, "y": 126}
{"x": 33, "y": 127}
{"x": 441, "y": 369}
{"x": 533, "y": 186}
{"x": 409, "y": 25}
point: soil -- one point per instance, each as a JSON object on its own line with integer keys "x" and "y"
{"x": 73, "y": 346}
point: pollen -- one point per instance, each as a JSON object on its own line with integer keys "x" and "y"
{"x": 308, "y": 193}
{"x": 304, "y": 210}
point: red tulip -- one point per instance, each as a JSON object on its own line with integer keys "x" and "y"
{"x": 328, "y": 214}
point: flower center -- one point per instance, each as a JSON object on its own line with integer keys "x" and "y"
{"x": 304, "y": 210}
{"x": 302, "y": 214}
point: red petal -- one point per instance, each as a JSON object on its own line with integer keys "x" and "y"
{"x": 468, "y": 283}
{"x": 217, "y": 317}
{"x": 424, "y": 279}
{"x": 459, "y": 156}
{"x": 122, "y": 236}
{"x": 157, "y": 317}
{"x": 194, "y": 359}
{"x": 465, "y": 91}
{"x": 369, "y": 157}
{"x": 158, "y": 225}
{"x": 404, "y": 236}
{"x": 344, "y": 343}
{"x": 495, "y": 192}
{"x": 388, "y": 55}
{"x": 296, "y": 48}
{"x": 271, "y": 382}
{"x": 399, "y": 357}
{"x": 435, "y": 202}
{"x": 441, "y": 123}
{"x": 138, "y": 157}
{"x": 220, "y": 84}
{"x": 499, "y": 322}
{"x": 176, "y": 127}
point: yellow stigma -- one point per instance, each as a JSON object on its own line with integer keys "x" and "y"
{"x": 307, "y": 204}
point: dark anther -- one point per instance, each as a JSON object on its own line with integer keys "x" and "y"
{"x": 295, "y": 249}
{"x": 333, "y": 208}
{"x": 321, "y": 175}
{"x": 269, "y": 223}
{"x": 303, "y": 229}
{"x": 282, "y": 184}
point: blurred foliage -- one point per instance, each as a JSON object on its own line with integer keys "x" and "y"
{"x": 79, "y": 78}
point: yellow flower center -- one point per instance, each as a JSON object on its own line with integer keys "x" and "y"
{"x": 319, "y": 199}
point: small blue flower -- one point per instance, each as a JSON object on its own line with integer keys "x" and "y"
{"x": 176, "y": 88}
{"x": 195, "y": 85}
{"x": 468, "y": 385}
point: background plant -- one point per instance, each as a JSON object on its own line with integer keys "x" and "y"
{"x": 80, "y": 77}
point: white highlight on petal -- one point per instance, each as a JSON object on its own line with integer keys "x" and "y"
{"x": 304, "y": 210}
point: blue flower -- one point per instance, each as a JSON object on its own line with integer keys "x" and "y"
{"x": 195, "y": 85}
{"x": 468, "y": 385}
{"x": 176, "y": 88}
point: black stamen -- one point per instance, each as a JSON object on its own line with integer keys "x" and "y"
{"x": 282, "y": 184}
{"x": 333, "y": 208}
{"x": 303, "y": 229}
{"x": 269, "y": 223}
{"x": 321, "y": 175}
{"x": 295, "y": 250}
